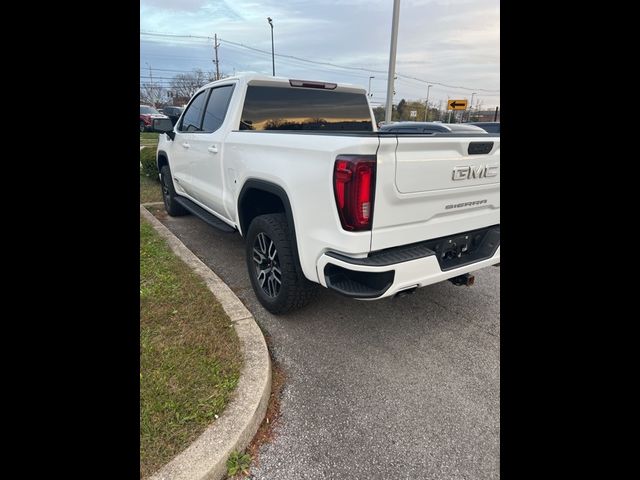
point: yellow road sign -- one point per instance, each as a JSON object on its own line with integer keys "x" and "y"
{"x": 457, "y": 105}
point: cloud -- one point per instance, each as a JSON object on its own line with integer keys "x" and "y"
{"x": 450, "y": 41}
{"x": 173, "y": 5}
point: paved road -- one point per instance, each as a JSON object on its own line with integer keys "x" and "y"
{"x": 403, "y": 388}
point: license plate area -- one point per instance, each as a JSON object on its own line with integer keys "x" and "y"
{"x": 464, "y": 248}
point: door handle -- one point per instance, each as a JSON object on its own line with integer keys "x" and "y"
{"x": 186, "y": 145}
{"x": 213, "y": 149}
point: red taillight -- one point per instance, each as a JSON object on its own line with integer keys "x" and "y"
{"x": 354, "y": 184}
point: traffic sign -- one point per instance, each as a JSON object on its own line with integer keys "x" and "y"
{"x": 413, "y": 113}
{"x": 457, "y": 105}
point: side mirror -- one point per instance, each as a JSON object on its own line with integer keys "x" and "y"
{"x": 163, "y": 125}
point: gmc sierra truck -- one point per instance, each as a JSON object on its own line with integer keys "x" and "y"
{"x": 299, "y": 169}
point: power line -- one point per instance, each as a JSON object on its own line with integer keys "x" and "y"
{"x": 290, "y": 62}
{"x": 178, "y": 71}
{"x": 316, "y": 62}
{"x": 158, "y": 34}
{"x": 302, "y": 64}
{"x": 158, "y": 77}
{"x": 337, "y": 66}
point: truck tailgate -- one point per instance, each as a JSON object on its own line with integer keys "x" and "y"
{"x": 432, "y": 186}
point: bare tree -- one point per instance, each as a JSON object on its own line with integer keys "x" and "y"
{"x": 151, "y": 93}
{"x": 184, "y": 85}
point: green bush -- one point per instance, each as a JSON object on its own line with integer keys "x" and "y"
{"x": 148, "y": 162}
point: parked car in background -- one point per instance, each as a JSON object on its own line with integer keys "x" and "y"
{"x": 430, "y": 127}
{"x": 489, "y": 127}
{"x": 173, "y": 113}
{"x": 147, "y": 114}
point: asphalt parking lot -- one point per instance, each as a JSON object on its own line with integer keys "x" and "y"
{"x": 399, "y": 388}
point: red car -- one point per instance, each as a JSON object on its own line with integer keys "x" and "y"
{"x": 147, "y": 114}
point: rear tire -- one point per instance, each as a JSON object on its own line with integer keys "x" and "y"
{"x": 275, "y": 275}
{"x": 172, "y": 207}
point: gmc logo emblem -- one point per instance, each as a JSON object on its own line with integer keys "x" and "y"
{"x": 468, "y": 172}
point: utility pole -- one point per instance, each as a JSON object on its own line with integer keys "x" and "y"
{"x": 470, "y": 107}
{"x": 369, "y": 93}
{"x": 426, "y": 104}
{"x": 215, "y": 47}
{"x": 151, "y": 86}
{"x": 392, "y": 60}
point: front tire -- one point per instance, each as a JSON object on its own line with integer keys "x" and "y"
{"x": 172, "y": 207}
{"x": 276, "y": 279}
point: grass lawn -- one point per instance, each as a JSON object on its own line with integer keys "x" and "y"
{"x": 190, "y": 355}
{"x": 149, "y": 139}
{"x": 149, "y": 189}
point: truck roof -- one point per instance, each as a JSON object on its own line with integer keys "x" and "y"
{"x": 266, "y": 80}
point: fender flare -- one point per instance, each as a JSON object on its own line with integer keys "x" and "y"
{"x": 278, "y": 191}
{"x": 161, "y": 153}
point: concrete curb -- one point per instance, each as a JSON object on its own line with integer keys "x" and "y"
{"x": 206, "y": 457}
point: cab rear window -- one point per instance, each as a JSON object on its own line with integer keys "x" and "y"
{"x": 288, "y": 108}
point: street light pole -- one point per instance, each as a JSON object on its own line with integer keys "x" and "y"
{"x": 273, "y": 57}
{"x": 392, "y": 60}
{"x": 369, "y": 93}
{"x": 426, "y": 103}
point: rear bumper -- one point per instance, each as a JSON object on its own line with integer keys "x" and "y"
{"x": 384, "y": 275}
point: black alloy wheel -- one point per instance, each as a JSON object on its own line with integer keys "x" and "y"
{"x": 267, "y": 265}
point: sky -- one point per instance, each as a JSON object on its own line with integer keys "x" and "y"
{"x": 450, "y": 42}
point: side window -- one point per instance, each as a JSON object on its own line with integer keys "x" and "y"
{"x": 192, "y": 119}
{"x": 217, "y": 108}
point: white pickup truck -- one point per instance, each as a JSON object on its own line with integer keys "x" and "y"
{"x": 299, "y": 169}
